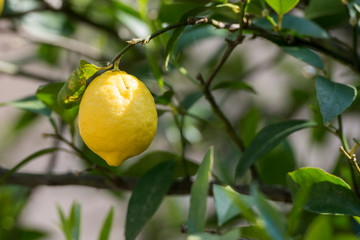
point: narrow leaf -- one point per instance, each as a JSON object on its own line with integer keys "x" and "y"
{"x": 229, "y": 204}
{"x": 282, "y": 6}
{"x": 327, "y": 193}
{"x": 333, "y": 98}
{"x": 274, "y": 221}
{"x": 147, "y": 197}
{"x": 268, "y": 138}
{"x": 305, "y": 55}
{"x": 105, "y": 230}
{"x": 27, "y": 160}
{"x": 31, "y": 104}
{"x": 236, "y": 85}
{"x": 191, "y": 99}
{"x": 199, "y": 193}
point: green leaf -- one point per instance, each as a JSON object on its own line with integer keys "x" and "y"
{"x": 236, "y": 85}
{"x": 147, "y": 197}
{"x": 178, "y": 31}
{"x": 305, "y": 55}
{"x": 282, "y": 6}
{"x": 72, "y": 91}
{"x": 150, "y": 160}
{"x": 268, "y": 138}
{"x": 327, "y": 193}
{"x": 191, "y": 99}
{"x": 274, "y": 222}
{"x": 165, "y": 98}
{"x": 320, "y": 228}
{"x": 155, "y": 68}
{"x": 333, "y": 98}
{"x": 199, "y": 193}
{"x": 203, "y": 236}
{"x": 274, "y": 166}
{"x": 229, "y": 203}
{"x": 48, "y": 95}
{"x": 297, "y": 26}
{"x": 70, "y": 225}
{"x": 326, "y": 13}
{"x": 105, "y": 230}
{"x": 27, "y": 160}
{"x": 31, "y": 104}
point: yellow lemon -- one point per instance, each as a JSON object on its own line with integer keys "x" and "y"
{"x": 117, "y": 116}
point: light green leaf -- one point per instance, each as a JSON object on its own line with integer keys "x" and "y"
{"x": 71, "y": 92}
{"x": 268, "y": 138}
{"x": 147, "y": 197}
{"x": 327, "y": 193}
{"x": 203, "y": 236}
{"x": 305, "y": 55}
{"x": 320, "y": 228}
{"x": 105, "y": 230}
{"x": 333, "y": 98}
{"x": 199, "y": 193}
{"x": 70, "y": 225}
{"x": 48, "y": 95}
{"x": 274, "y": 222}
{"x": 31, "y": 104}
{"x": 155, "y": 68}
{"x": 282, "y": 6}
{"x": 229, "y": 203}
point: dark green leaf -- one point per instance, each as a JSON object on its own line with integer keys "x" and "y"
{"x": 31, "y": 104}
{"x": 274, "y": 166}
{"x": 105, "y": 230}
{"x": 155, "y": 68}
{"x": 327, "y": 193}
{"x": 297, "y": 26}
{"x": 249, "y": 124}
{"x": 192, "y": 98}
{"x": 30, "y": 234}
{"x": 147, "y": 197}
{"x": 199, "y": 193}
{"x": 229, "y": 203}
{"x": 236, "y": 85}
{"x": 274, "y": 222}
{"x": 254, "y": 232}
{"x": 48, "y": 95}
{"x": 282, "y": 6}
{"x": 268, "y": 138}
{"x": 154, "y": 158}
{"x": 333, "y": 98}
{"x": 305, "y": 55}
{"x": 326, "y": 13}
{"x": 165, "y": 98}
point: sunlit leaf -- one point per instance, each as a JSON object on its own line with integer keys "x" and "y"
{"x": 327, "y": 193}
{"x": 282, "y": 6}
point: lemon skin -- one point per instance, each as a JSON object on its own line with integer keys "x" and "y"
{"x": 117, "y": 117}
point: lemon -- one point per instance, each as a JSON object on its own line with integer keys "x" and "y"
{"x": 117, "y": 116}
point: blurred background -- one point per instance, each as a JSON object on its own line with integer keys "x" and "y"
{"x": 43, "y": 41}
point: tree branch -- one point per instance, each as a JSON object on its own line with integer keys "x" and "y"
{"x": 179, "y": 187}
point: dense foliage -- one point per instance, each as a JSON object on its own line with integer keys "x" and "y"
{"x": 233, "y": 81}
